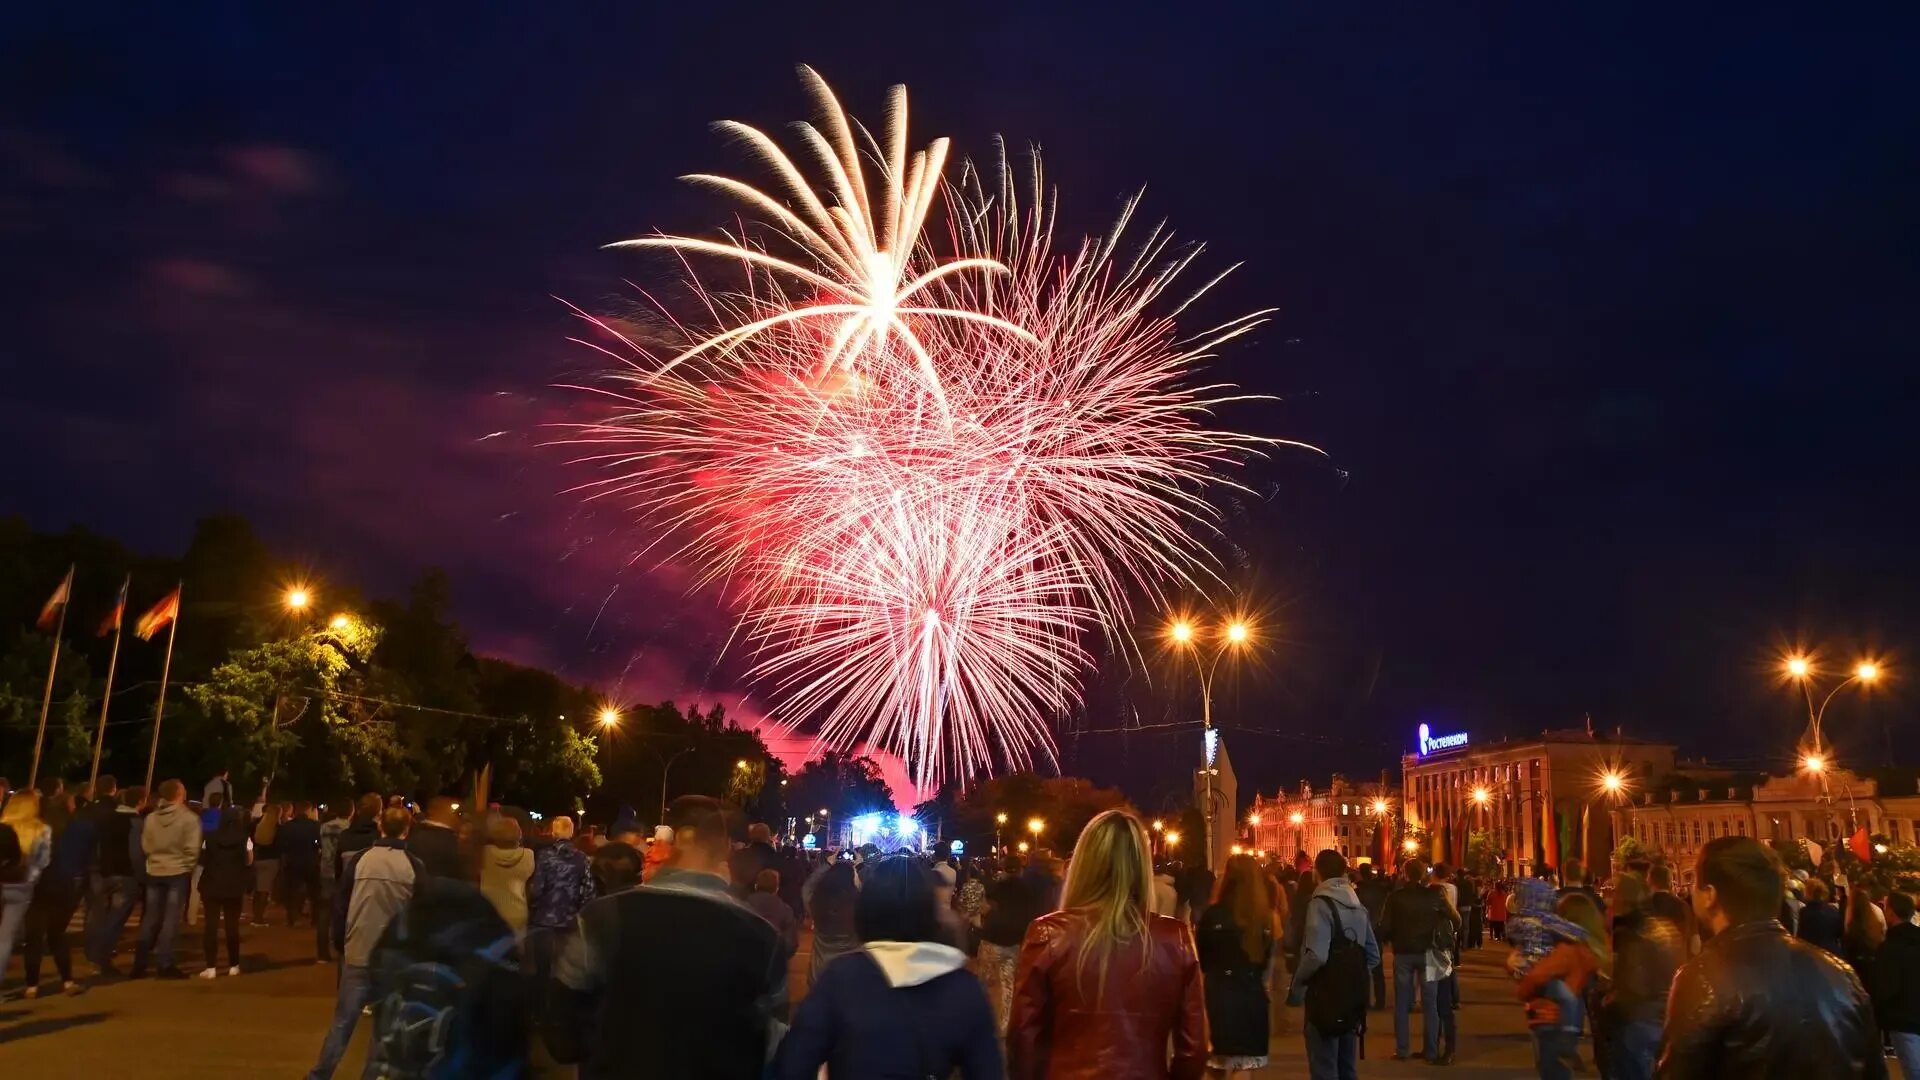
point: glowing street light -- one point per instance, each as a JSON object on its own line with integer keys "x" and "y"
{"x": 1173, "y": 839}
{"x": 609, "y": 717}
{"x": 1000, "y": 818}
{"x": 1814, "y": 763}
{"x": 1036, "y": 826}
{"x": 1022, "y": 847}
{"x": 1235, "y": 635}
{"x": 297, "y": 599}
{"x": 1253, "y": 819}
{"x": 1798, "y": 667}
{"x": 339, "y": 622}
{"x": 1409, "y": 845}
{"x": 1297, "y": 817}
{"x": 1867, "y": 671}
{"x": 1481, "y": 797}
{"x": 1612, "y": 782}
{"x": 1158, "y": 825}
{"x": 1236, "y": 850}
{"x": 1380, "y": 807}
{"x": 741, "y": 764}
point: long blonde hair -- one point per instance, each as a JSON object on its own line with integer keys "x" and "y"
{"x": 1110, "y": 883}
{"x": 23, "y": 816}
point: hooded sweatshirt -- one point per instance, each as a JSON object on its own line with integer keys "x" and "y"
{"x": 503, "y": 881}
{"x": 894, "y": 1008}
{"x": 1318, "y": 938}
{"x": 171, "y": 839}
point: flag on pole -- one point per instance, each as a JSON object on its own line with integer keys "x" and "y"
{"x": 158, "y": 616}
{"x": 1861, "y": 845}
{"x": 50, "y": 612}
{"x": 111, "y": 624}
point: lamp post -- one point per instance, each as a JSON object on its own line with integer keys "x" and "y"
{"x": 1816, "y": 759}
{"x": 1235, "y": 635}
{"x": 999, "y": 823}
{"x": 1299, "y": 821}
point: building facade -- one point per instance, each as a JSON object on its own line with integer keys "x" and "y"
{"x": 1349, "y": 818}
{"x": 1536, "y": 802}
{"x": 1677, "y": 816}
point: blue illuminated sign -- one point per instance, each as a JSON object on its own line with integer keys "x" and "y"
{"x": 1431, "y": 743}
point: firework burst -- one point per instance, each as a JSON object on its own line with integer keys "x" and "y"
{"x": 924, "y": 479}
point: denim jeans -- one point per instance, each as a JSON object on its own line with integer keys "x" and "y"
{"x": 1446, "y": 1004}
{"x": 1410, "y": 971}
{"x": 108, "y": 906}
{"x": 1632, "y": 1047}
{"x": 14, "y": 900}
{"x": 160, "y": 923}
{"x": 1332, "y": 1057}
{"x": 356, "y": 989}
{"x": 1553, "y": 1051}
{"x": 1906, "y": 1047}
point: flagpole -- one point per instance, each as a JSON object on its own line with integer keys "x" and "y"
{"x": 113, "y": 661}
{"x": 160, "y": 704}
{"x": 46, "y": 698}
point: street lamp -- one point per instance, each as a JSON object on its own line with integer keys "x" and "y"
{"x": 1236, "y": 634}
{"x": 609, "y": 717}
{"x": 1409, "y": 845}
{"x": 1800, "y": 668}
{"x": 297, "y": 599}
{"x": 999, "y": 823}
{"x": 1173, "y": 839}
{"x": 1814, "y": 763}
{"x": 1036, "y": 826}
{"x": 339, "y": 622}
{"x": 1022, "y": 847}
{"x": 1612, "y": 782}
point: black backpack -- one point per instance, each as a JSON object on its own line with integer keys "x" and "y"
{"x": 1337, "y": 993}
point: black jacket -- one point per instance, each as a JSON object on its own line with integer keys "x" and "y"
{"x": 438, "y": 848}
{"x": 1236, "y": 989}
{"x": 1412, "y": 913}
{"x": 1647, "y": 950}
{"x": 300, "y": 847}
{"x": 674, "y": 978}
{"x": 1821, "y": 924}
{"x": 223, "y": 862}
{"x": 1373, "y": 894}
{"x": 1758, "y": 1005}
{"x": 112, "y": 826}
{"x": 357, "y": 836}
{"x": 1896, "y": 979}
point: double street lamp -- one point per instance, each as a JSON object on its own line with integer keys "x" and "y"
{"x": 1232, "y": 636}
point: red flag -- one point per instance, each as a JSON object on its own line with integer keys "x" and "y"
{"x": 111, "y": 624}
{"x": 50, "y": 612}
{"x": 158, "y": 616}
{"x": 1861, "y": 845}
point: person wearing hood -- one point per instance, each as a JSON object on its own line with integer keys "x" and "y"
{"x": 1236, "y": 941}
{"x": 505, "y": 868}
{"x": 170, "y": 836}
{"x": 904, "y": 1004}
{"x": 1329, "y": 1056}
{"x": 224, "y": 881}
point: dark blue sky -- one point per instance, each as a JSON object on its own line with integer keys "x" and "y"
{"x": 1605, "y": 317}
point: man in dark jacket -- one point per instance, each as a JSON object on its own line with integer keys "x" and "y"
{"x": 435, "y": 840}
{"x": 1820, "y": 921}
{"x": 758, "y": 855}
{"x": 360, "y": 833}
{"x": 1756, "y": 1002}
{"x": 674, "y": 978}
{"x": 1412, "y": 913}
{"x": 1896, "y": 983}
{"x": 561, "y": 887}
{"x": 1373, "y": 889}
{"x": 114, "y": 886}
{"x": 299, "y": 840}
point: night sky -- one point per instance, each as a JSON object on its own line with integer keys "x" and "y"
{"x": 1605, "y": 318}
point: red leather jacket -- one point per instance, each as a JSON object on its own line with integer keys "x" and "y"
{"x": 1063, "y": 1027}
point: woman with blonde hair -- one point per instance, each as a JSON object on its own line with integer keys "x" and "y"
{"x": 22, "y": 815}
{"x": 1104, "y": 984}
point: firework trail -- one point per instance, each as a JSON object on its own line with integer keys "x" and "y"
{"x": 922, "y": 481}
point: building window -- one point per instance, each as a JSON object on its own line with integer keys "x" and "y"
{"x": 1741, "y": 825}
{"x": 1696, "y": 832}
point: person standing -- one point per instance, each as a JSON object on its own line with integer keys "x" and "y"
{"x": 300, "y": 864}
{"x": 1554, "y": 988}
{"x": 375, "y": 884}
{"x": 58, "y": 892}
{"x": 35, "y": 843}
{"x": 360, "y": 833}
{"x": 436, "y": 840}
{"x": 674, "y": 978}
{"x": 1820, "y": 922}
{"x": 561, "y": 887}
{"x": 905, "y": 1005}
{"x": 113, "y": 887}
{"x": 266, "y": 858}
{"x": 1647, "y": 951}
{"x": 505, "y": 868}
{"x": 1010, "y": 910}
{"x": 1104, "y": 985}
{"x": 225, "y": 878}
{"x": 745, "y": 865}
{"x": 331, "y": 830}
{"x": 1413, "y": 913}
{"x": 1373, "y": 889}
{"x": 1497, "y": 911}
{"x": 766, "y": 903}
{"x": 1757, "y": 1002}
{"x": 170, "y": 836}
{"x": 1895, "y": 983}
{"x": 1336, "y": 920}
{"x": 220, "y": 786}
{"x": 1235, "y": 939}
{"x": 829, "y": 899}
{"x": 1665, "y": 905}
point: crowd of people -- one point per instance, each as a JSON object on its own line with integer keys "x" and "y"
{"x": 490, "y": 942}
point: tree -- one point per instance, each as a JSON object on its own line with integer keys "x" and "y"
{"x": 842, "y": 784}
{"x": 23, "y": 683}
{"x": 1061, "y": 804}
{"x": 1482, "y": 855}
